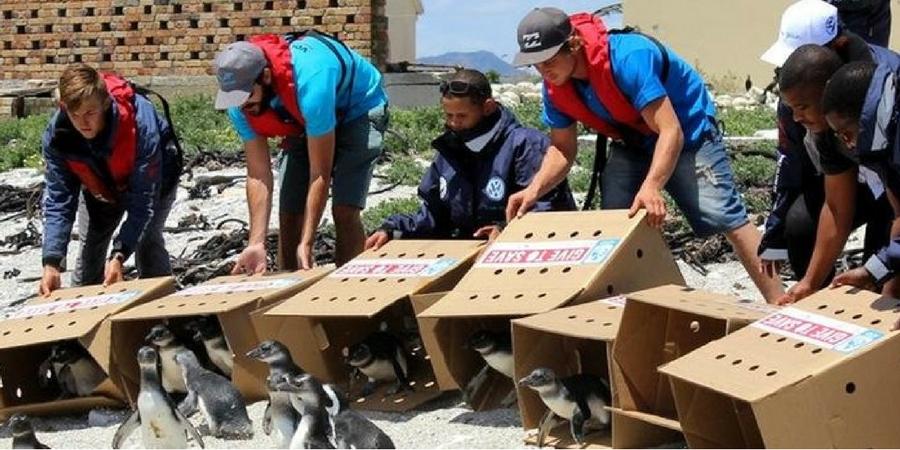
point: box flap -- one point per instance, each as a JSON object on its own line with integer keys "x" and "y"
{"x": 598, "y": 320}
{"x": 653, "y": 419}
{"x": 703, "y": 303}
{"x": 789, "y": 345}
{"x": 224, "y": 294}
{"x": 538, "y": 263}
{"x": 377, "y": 278}
{"x": 73, "y": 313}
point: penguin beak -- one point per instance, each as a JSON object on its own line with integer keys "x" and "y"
{"x": 255, "y": 353}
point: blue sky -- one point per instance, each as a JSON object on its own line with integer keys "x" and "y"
{"x": 468, "y": 25}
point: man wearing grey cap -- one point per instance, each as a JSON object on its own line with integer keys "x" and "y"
{"x": 656, "y": 110}
{"x": 327, "y": 104}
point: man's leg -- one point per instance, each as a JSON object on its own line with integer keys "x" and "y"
{"x": 151, "y": 256}
{"x": 703, "y": 186}
{"x": 97, "y": 222}
{"x": 293, "y": 181}
{"x": 801, "y": 226}
{"x": 625, "y": 170}
{"x": 359, "y": 144}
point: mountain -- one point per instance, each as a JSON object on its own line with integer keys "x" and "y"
{"x": 481, "y": 60}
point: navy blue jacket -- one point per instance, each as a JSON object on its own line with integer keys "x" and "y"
{"x": 463, "y": 191}
{"x": 157, "y": 167}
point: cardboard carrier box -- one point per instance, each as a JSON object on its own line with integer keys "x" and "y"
{"x": 537, "y": 264}
{"x": 378, "y": 291}
{"x": 71, "y": 325}
{"x": 660, "y": 325}
{"x": 822, "y": 373}
{"x": 225, "y": 303}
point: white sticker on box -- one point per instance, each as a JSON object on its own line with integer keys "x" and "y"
{"x": 43, "y": 309}
{"x": 541, "y": 254}
{"x": 231, "y": 288}
{"x": 618, "y": 301}
{"x": 818, "y": 330}
{"x": 408, "y": 267}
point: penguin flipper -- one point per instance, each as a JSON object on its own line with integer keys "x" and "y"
{"x": 194, "y": 434}
{"x": 475, "y": 384}
{"x": 544, "y": 426}
{"x": 402, "y": 381}
{"x": 576, "y": 425}
{"x": 267, "y": 419}
{"x": 126, "y": 428}
{"x": 67, "y": 383}
{"x": 188, "y": 406}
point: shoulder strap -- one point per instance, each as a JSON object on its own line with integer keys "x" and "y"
{"x": 662, "y": 49}
{"x": 146, "y": 92}
{"x": 328, "y": 43}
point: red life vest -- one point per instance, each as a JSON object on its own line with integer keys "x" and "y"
{"x": 121, "y": 159}
{"x": 269, "y": 123}
{"x": 565, "y": 98}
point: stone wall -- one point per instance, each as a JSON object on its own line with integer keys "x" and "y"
{"x": 167, "y": 37}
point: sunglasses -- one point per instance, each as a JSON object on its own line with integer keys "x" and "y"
{"x": 460, "y": 87}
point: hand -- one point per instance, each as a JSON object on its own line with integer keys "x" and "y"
{"x": 859, "y": 277}
{"x": 49, "y": 281}
{"x": 113, "y": 272}
{"x": 305, "y": 256}
{"x": 251, "y": 261}
{"x": 520, "y": 203}
{"x": 650, "y": 200}
{"x": 489, "y": 232}
{"x": 797, "y": 292}
{"x": 377, "y": 240}
{"x": 770, "y": 268}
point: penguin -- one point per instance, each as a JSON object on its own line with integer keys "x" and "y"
{"x": 206, "y": 332}
{"x": 169, "y": 346}
{"x": 221, "y": 403}
{"x": 23, "y": 433}
{"x": 280, "y": 417}
{"x": 162, "y": 425}
{"x": 76, "y": 372}
{"x": 319, "y": 428}
{"x": 581, "y": 399}
{"x": 380, "y": 357}
{"x": 496, "y": 349}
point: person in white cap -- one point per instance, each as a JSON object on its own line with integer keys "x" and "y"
{"x": 657, "y": 111}
{"x": 812, "y": 171}
{"x": 327, "y": 103}
{"x": 870, "y": 19}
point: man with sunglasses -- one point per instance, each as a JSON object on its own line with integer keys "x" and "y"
{"x": 327, "y": 103}
{"x": 659, "y": 115}
{"x": 482, "y": 158}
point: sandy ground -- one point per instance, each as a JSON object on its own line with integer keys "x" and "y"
{"x": 444, "y": 423}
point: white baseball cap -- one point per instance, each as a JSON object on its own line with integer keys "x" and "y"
{"x": 804, "y": 22}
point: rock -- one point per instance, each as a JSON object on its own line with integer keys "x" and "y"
{"x": 532, "y": 96}
{"x": 509, "y": 99}
{"x": 106, "y": 417}
{"x": 767, "y": 134}
{"x": 755, "y": 92}
{"x": 743, "y": 102}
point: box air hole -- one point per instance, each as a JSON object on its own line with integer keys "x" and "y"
{"x": 764, "y": 335}
{"x": 875, "y": 322}
{"x": 382, "y": 280}
{"x": 736, "y": 362}
{"x": 611, "y": 307}
{"x": 544, "y": 270}
{"x": 382, "y": 255}
{"x": 160, "y": 306}
{"x": 607, "y": 324}
{"x": 181, "y": 305}
{"x": 551, "y": 235}
{"x": 857, "y": 316}
{"x": 816, "y": 351}
{"x": 772, "y": 373}
{"x": 753, "y": 368}
{"x": 344, "y": 280}
{"x": 609, "y": 289}
{"x": 781, "y": 339}
{"x": 29, "y": 317}
{"x": 495, "y": 296}
{"x": 401, "y": 255}
{"x": 401, "y": 280}
{"x": 473, "y": 297}
{"x": 332, "y": 299}
{"x": 223, "y": 302}
{"x": 19, "y": 392}
{"x": 520, "y": 271}
{"x": 573, "y": 316}
{"x": 542, "y": 295}
{"x": 566, "y": 270}
{"x": 420, "y": 255}
{"x": 850, "y": 387}
{"x": 351, "y": 299}
{"x": 589, "y": 320}
{"x": 28, "y": 330}
{"x": 640, "y": 253}
{"x": 597, "y": 233}
{"x": 822, "y": 306}
{"x": 720, "y": 356}
{"x": 201, "y": 304}
{"x": 839, "y": 312}
{"x": 529, "y": 235}
{"x": 7, "y": 333}
{"x": 363, "y": 280}
{"x": 370, "y": 299}
{"x": 573, "y": 234}
{"x": 498, "y": 271}
{"x": 314, "y": 299}
{"x": 798, "y": 345}
{"x": 439, "y": 255}
{"x": 518, "y": 296}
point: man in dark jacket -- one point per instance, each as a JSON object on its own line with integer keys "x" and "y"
{"x": 870, "y": 19}
{"x": 484, "y": 156}
{"x": 107, "y": 143}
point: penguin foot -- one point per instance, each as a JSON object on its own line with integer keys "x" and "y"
{"x": 368, "y": 389}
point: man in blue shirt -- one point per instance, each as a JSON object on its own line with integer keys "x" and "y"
{"x": 327, "y": 104}
{"x": 657, "y": 111}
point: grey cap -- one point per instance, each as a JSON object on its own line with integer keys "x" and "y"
{"x": 237, "y": 68}
{"x": 541, "y": 34}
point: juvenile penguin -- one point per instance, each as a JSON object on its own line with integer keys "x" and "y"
{"x": 207, "y": 332}
{"x": 318, "y": 428}
{"x": 23, "y": 433}
{"x": 280, "y": 419}
{"x": 161, "y": 424}
{"x": 581, "y": 399}
{"x": 381, "y": 358}
{"x": 221, "y": 403}
{"x": 75, "y": 370}
{"x": 169, "y": 346}
{"x": 496, "y": 349}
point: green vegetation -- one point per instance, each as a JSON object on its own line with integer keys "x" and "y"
{"x": 374, "y": 215}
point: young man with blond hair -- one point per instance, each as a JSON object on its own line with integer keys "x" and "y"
{"x": 108, "y": 144}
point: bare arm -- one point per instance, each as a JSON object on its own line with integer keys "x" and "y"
{"x": 259, "y": 188}
{"x": 321, "y": 161}
{"x": 660, "y": 117}
{"x": 835, "y": 225}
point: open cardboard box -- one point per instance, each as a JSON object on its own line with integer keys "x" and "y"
{"x": 821, "y": 373}
{"x": 537, "y": 264}
{"x": 230, "y": 299}
{"x": 79, "y": 314}
{"x": 319, "y": 324}
{"x": 660, "y": 325}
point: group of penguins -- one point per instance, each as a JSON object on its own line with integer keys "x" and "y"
{"x": 301, "y": 412}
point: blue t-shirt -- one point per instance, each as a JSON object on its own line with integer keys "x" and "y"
{"x": 317, "y": 73}
{"x": 637, "y": 69}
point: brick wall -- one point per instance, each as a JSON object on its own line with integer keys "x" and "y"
{"x": 167, "y": 37}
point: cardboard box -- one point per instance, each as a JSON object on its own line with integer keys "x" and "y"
{"x": 821, "y": 373}
{"x": 658, "y": 326}
{"x": 79, "y": 314}
{"x": 230, "y": 299}
{"x": 319, "y": 324}
{"x": 539, "y": 263}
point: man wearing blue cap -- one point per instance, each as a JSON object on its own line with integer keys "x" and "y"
{"x": 327, "y": 104}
